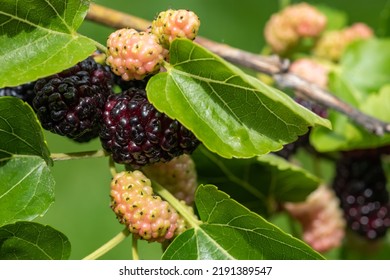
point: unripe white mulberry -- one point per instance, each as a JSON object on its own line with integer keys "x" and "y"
{"x": 172, "y": 24}
{"x": 178, "y": 176}
{"x": 134, "y": 55}
{"x": 332, "y": 44}
{"x": 310, "y": 70}
{"x": 321, "y": 218}
{"x": 145, "y": 214}
{"x": 286, "y": 28}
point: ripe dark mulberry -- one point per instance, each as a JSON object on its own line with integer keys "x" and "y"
{"x": 71, "y": 103}
{"x": 137, "y": 134}
{"x": 24, "y": 92}
{"x": 360, "y": 184}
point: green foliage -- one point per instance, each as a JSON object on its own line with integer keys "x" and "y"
{"x": 32, "y": 241}
{"x": 362, "y": 80}
{"x": 231, "y": 231}
{"x": 260, "y": 183}
{"x": 26, "y": 183}
{"x": 238, "y": 119}
{"x": 41, "y": 35}
{"x": 26, "y": 188}
{"x": 231, "y": 113}
{"x": 20, "y": 131}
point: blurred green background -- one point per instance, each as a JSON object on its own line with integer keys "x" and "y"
{"x": 81, "y": 210}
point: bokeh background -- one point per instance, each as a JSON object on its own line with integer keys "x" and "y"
{"x": 81, "y": 210}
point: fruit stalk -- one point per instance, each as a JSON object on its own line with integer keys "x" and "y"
{"x": 109, "y": 245}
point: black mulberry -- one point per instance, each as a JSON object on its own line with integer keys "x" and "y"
{"x": 137, "y": 134}
{"x": 24, "y": 92}
{"x": 71, "y": 103}
{"x": 360, "y": 184}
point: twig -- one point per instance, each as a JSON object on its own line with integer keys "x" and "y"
{"x": 325, "y": 98}
{"x": 270, "y": 65}
{"x": 78, "y": 155}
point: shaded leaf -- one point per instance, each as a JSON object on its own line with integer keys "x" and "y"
{"x": 43, "y": 36}
{"x": 231, "y": 231}
{"x": 32, "y": 241}
{"x": 26, "y": 189}
{"x": 233, "y": 114}
{"x": 259, "y": 183}
{"x": 20, "y": 131}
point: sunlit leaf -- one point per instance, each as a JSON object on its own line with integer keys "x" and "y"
{"x": 40, "y": 34}
{"x": 232, "y": 113}
{"x": 231, "y": 231}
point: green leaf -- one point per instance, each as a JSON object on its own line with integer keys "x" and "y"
{"x": 259, "y": 183}
{"x": 26, "y": 189}
{"x": 42, "y": 35}
{"x": 232, "y": 113}
{"x": 288, "y": 182}
{"x": 231, "y": 231}
{"x": 366, "y": 66}
{"x": 348, "y": 136}
{"x": 20, "y": 131}
{"x": 32, "y": 241}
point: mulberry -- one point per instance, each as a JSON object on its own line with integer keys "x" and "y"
{"x": 145, "y": 214}
{"x": 71, "y": 103}
{"x": 134, "y": 55}
{"x": 137, "y": 134}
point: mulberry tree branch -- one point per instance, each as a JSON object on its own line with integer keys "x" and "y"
{"x": 273, "y": 66}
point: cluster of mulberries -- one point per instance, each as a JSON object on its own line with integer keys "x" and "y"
{"x": 321, "y": 219}
{"x": 333, "y": 43}
{"x": 360, "y": 183}
{"x": 135, "y": 55}
{"x": 80, "y": 102}
{"x": 145, "y": 214}
{"x": 287, "y": 28}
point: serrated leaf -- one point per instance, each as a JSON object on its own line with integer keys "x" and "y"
{"x": 20, "y": 131}
{"x": 230, "y": 231}
{"x": 32, "y": 241}
{"x": 40, "y": 34}
{"x": 26, "y": 189}
{"x": 259, "y": 183}
{"x": 232, "y": 113}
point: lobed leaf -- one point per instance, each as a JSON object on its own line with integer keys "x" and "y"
{"x": 32, "y": 241}
{"x": 40, "y": 34}
{"x": 230, "y": 231}
{"x": 232, "y": 113}
{"x": 26, "y": 189}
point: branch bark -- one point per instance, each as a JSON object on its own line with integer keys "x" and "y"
{"x": 273, "y": 66}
